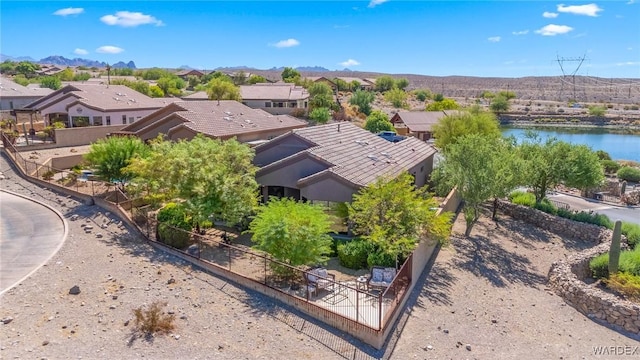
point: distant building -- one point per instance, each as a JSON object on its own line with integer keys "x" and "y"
{"x": 15, "y": 96}
{"x": 418, "y": 124}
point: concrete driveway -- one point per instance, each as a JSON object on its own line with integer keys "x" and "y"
{"x": 30, "y": 234}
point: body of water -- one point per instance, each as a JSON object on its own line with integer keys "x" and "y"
{"x": 621, "y": 146}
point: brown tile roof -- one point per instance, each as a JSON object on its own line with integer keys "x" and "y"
{"x": 104, "y": 98}
{"x": 273, "y": 91}
{"x": 11, "y": 89}
{"x": 228, "y": 119}
{"x": 199, "y": 95}
{"x": 357, "y": 155}
{"x": 420, "y": 121}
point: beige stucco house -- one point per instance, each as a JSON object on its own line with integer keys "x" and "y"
{"x": 80, "y": 105}
{"x": 418, "y": 123}
{"x": 332, "y": 162}
{"x": 220, "y": 120}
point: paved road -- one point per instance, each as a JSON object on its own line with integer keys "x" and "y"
{"x": 30, "y": 233}
{"x": 613, "y": 212}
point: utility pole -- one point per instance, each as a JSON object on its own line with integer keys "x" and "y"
{"x": 108, "y": 74}
{"x": 561, "y": 62}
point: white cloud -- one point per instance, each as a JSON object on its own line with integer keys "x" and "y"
{"x": 588, "y": 10}
{"x": 286, "y": 43}
{"x": 79, "y": 51}
{"x": 374, "y": 3}
{"x": 631, "y": 2}
{"x": 130, "y": 19}
{"x": 350, "y": 62}
{"x": 550, "y": 15}
{"x": 108, "y": 49}
{"x": 522, "y": 32}
{"x": 69, "y": 11}
{"x": 553, "y": 30}
{"x": 628, "y": 63}
{"x": 494, "y": 39}
{"x": 629, "y": 48}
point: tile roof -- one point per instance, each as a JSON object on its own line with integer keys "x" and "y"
{"x": 199, "y": 95}
{"x": 420, "y": 121}
{"x": 357, "y": 155}
{"x": 227, "y": 119}
{"x": 273, "y": 91}
{"x": 11, "y": 89}
{"x": 104, "y": 98}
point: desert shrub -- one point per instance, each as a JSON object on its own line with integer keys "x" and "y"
{"x": 634, "y": 107}
{"x": 546, "y": 206}
{"x": 593, "y": 218}
{"x": 153, "y": 320}
{"x": 523, "y": 198}
{"x": 632, "y": 232}
{"x": 48, "y": 175}
{"x": 298, "y": 112}
{"x": 599, "y": 266}
{"x": 629, "y": 173}
{"x": 565, "y": 213}
{"x": 173, "y": 226}
{"x": 353, "y": 255}
{"x": 380, "y": 258}
{"x": 625, "y": 284}
{"x": 610, "y": 166}
{"x": 603, "y": 155}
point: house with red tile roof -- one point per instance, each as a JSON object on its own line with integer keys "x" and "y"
{"x": 333, "y": 162}
{"x": 219, "y": 120}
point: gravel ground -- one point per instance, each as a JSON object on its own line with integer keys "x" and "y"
{"x": 487, "y": 292}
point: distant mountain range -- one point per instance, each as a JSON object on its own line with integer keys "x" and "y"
{"x": 63, "y": 61}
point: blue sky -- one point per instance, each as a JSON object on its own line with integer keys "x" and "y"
{"x": 473, "y": 38}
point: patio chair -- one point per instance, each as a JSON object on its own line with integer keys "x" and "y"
{"x": 381, "y": 277}
{"x": 319, "y": 279}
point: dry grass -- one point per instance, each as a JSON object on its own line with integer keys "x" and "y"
{"x": 153, "y": 320}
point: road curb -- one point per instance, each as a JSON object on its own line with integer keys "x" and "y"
{"x": 65, "y": 233}
{"x": 599, "y": 201}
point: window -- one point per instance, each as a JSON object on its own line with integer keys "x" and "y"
{"x": 267, "y": 104}
{"x": 130, "y": 119}
{"x": 305, "y": 104}
{"x": 108, "y": 118}
{"x": 124, "y": 119}
{"x": 292, "y": 105}
{"x": 97, "y": 120}
{"x": 280, "y": 104}
{"x": 80, "y": 121}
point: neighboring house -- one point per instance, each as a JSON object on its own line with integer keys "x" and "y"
{"x": 81, "y": 105}
{"x": 275, "y": 98}
{"x": 418, "y": 124}
{"x": 365, "y": 84}
{"x": 322, "y": 79}
{"x": 15, "y": 96}
{"x": 49, "y": 70}
{"x": 224, "y": 120}
{"x": 183, "y": 74}
{"x": 104, "y": 79}
{"x": 333, "y": 162}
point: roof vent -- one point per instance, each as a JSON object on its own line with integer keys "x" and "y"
{"x": 386, "y": 154}
{"x": 227, "y": 118}
{"x": 373, "y": 157}
{"x": 228, "y": 113}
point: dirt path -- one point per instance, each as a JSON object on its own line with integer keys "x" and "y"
{"x": 489, "y": 291}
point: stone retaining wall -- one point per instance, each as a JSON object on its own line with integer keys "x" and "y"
{"x": 567, "y": 277}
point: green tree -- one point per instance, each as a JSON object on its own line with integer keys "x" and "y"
{"x": 83, "y": 76}
{"x": 320, "y": 115}
{"x": 597, "y": 111}
{"x": 215, "y": 75}
{"x": 141, "y": 87}
{"x": 239, "y": 77}
{"x": 26, "y": 68}
{"x": 193, "y": 81}
{"x": 545, "y": 163}
{"x": 487, "y": 95}
{"x": 290, "y": 75}
{"x": 20, "y": 79}
{"x": 220, "y": 89}
{"x": 355, "y": 85}
{"x": 362, "y": 99}
{"x": 449, "y": 128}
{"x": 155, "y": 74}
{"x": 110, "y": 156}
{"x": 397, "y": 98}
{"x": 257, "y": 79}
{"x": 215, "y": 178}
{"x": 294, "y": 233}
{"x": 584, "y": 170}
{"x": 402, "y": 83}
{"x": 438, "y": 97}
{"x": 481, "y": 168}
{"x": 8, "y": 67}
{"x": 499, "y": 104}
{"x": 396, "y": 216}
{"x": 603, "y": 155}
{"x": 507, "y": 94}
{"x": 155, "y": 91}
{"x": 377, "y": 122}
{"x": 50, "y": 82}
{"x": 444, "y": 104}
{"x": 385, "y": 83}
{"x": 65, "y": 75}
{"x": 320, "y": 95}
{"x": 422, "y": 95}
{"x": 342, "y": 85}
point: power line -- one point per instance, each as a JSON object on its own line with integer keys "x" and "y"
{"x": 561, "y": 61}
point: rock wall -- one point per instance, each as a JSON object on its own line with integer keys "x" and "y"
{"x": 567, "y": 277}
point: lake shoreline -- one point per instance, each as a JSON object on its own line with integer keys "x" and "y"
{"x": 614, "y": 128}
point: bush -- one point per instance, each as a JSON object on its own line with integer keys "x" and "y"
{"x": 603, "y": 155}
{"x": 353, "y": 255}
{"x": 629, "y": 173}
{"x": 632, "y": 232}
{"x": 173, "y": 226}
{"x": 380, "y": 258}
{"x": 153, "y": 320}
{"x": 610, "y": 166}
{"x": 593, "y": 218}
{"x": 523, "y": 198}
{"x": 545, "y": 206}
{"x": 565, "y": 213}
{"x": 629, "y": 264}
{"x": 599, "y": 266}
{"x": 625, "y": 284}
